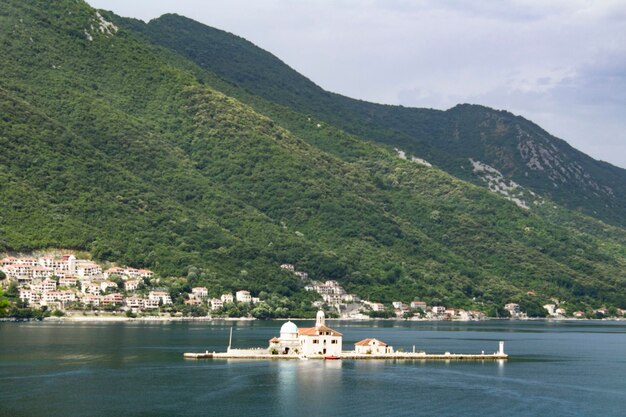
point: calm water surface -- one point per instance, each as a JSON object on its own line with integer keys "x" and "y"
{"x": 131, "y": 369}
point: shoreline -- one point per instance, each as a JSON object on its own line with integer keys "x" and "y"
{"x": 167, "y": 319}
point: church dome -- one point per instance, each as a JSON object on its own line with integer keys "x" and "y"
{"x": 288, "y": 331}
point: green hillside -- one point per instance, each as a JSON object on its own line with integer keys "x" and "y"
{"x": 124, "y": 149}
{"x": 519, "y": 149}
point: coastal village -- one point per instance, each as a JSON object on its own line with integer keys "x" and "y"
{"x": 67, "y": 284}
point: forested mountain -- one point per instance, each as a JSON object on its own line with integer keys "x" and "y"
{"x": 454, "y": 140}
{"x": 126, "y": 149}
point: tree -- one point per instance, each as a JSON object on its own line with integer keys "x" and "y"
{"x": 4, "y": 304}
{"x": 262, "y": 312}
{"x": 12, "y": 291}
{"x": 118, "y": 280}
{"x": 532, "y": 307}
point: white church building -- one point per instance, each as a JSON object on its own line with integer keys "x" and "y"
{"x": 313, "y": 341}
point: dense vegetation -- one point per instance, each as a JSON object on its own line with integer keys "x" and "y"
{"x": 127, "y": 150}
{"x": 521, "y": 150}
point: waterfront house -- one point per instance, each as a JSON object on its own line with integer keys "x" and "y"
{"x": 438, "y": 309}
{"x": 133, "y": 303}
{"x": 375, "y": 306}
{"x": 603, "y": 310}
{"x": 418, "y": 305}
{"x": 162, "y": 296}
{"x": 372, "y": 347}
{"x": 243, "y": 296}
{"x": 62, "y": 297}
{"x": 115, "y": 298}
{"x": 227, "y": 298}
{"x": 550, "y": 308}
{"x": 150, "y": 304}
{"x": 513, "y": 309}
{"x": 92, "y": 300}
{"x": 216, "y": 304}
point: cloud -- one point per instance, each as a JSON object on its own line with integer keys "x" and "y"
{"x": 561, "y": 63}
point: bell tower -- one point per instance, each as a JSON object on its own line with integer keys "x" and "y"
{"x": 320, "y": 319}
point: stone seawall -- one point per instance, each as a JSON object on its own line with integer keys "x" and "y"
{"x": 261, "y": 354}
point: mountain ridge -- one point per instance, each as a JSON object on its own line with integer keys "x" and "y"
{"x": 114, "y": 146}
{"x": 518, "y": 148}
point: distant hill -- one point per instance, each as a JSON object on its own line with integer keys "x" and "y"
{"x": 127, "y": 149}
{"x": 520, "y": 150}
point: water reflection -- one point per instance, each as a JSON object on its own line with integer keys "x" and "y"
{"x": 306, "y": 384}
{"x": 501, "y": 363}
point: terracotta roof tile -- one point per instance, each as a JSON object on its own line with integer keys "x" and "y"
{"x": 367, "y": 342}
{"x": 315, "y": 331}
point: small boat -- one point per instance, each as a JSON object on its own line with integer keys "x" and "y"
{"x": 331, "y": 358}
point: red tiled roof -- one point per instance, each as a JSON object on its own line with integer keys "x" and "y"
{"x": 315, "y": 331}
{"x": 367, "y": 342}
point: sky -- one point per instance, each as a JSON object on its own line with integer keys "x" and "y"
{"x": 559, "y": 63}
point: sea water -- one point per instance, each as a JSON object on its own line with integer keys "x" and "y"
{"x": 560, "y": 368}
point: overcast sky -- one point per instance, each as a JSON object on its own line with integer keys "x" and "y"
{"x": 559, "y": 63}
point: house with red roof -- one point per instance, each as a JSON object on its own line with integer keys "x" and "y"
{"x": 372, "y": 346}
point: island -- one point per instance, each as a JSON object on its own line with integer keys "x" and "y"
{"x": 322, "y": 342}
